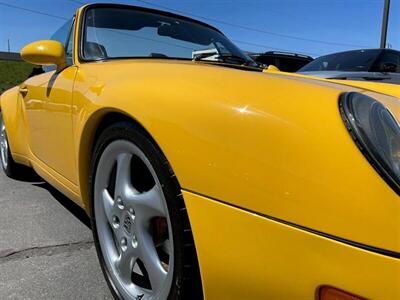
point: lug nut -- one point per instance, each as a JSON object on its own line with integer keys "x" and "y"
{"x": 132, "y": 211}
{"x": 115, "y": 222}
{"x": 134, "y": 241}
{"x": 120, "y": 203}
{"x": 124, "y": 244}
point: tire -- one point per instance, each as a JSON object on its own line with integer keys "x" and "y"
{"x": 139, "y": 221}
{"x": 9, "y": 166}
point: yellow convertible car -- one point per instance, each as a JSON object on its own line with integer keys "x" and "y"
{"x": 205, "y": 176}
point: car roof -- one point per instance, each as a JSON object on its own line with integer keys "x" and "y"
{"x": 361, "y": 50}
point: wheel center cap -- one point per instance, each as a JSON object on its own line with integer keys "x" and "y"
{"x": 128, "y": 224}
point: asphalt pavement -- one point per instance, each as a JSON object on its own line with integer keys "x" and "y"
{"x": 46, "y": 246}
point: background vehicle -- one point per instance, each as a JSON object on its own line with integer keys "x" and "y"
{"x": 285, "y": 61}
{"x": 209, "y": 177}
{"x": 380, "y": 65}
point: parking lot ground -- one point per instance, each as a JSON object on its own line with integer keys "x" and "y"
{"x": 46, "y": 246}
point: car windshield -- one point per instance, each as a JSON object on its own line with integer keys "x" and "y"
{"x": 113, "y": 33}
{"x": 359, "y": 60}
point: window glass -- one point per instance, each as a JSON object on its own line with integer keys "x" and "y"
{"x": 69, "y": 47}
{"x": 284, "y": 63}
{"x": 62, "y": 33}
{"x": 124, "y": 32}
{"x": 389, "y": 61}
{"x": 359, "y": 60}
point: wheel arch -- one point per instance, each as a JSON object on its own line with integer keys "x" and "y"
{"x": 92, "y": 128}
{"x": 11, "y": 109}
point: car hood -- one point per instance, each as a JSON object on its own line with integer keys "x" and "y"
{"x": 288, "y": 124}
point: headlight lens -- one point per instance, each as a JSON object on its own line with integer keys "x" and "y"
{"x": 376, "y": 132}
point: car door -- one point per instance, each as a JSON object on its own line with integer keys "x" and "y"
{"x": 48, "y": 104}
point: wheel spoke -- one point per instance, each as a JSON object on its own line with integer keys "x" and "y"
{"x": 148, "y": 204}
{"x": 151, "y": 261}
{"x": 108, "y": 205}
{"x": 123, "y": 184}
{"x": 167, "y": 247}
{"x": 125, "y": 264}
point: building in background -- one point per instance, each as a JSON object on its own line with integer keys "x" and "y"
{"x": 10, "y": 56}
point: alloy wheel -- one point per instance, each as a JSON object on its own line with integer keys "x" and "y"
{"x": 133, "y": 223}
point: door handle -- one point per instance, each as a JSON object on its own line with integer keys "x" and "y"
{"x": 23, "y": 90}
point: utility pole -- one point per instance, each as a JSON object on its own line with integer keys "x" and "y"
{"x": 385, "y": 22}
{"x": 9, "y": 49}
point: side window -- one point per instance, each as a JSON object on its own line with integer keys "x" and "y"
{"x": 64, "y": 35}
{"x": 69, "y": 45}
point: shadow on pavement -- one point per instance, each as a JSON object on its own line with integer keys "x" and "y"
{"x": 71, "y": 206}
{"x": 27, "y": 174}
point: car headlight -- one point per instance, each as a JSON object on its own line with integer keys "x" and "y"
{"x": 376, "y": 132}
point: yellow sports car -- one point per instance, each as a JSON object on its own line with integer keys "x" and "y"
{"x": 205, "y": 176}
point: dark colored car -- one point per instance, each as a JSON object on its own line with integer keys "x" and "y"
{"x": 382, "y": 65}
{"x": 285, "y": 61}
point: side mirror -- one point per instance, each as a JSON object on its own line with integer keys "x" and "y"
{"x": 273, "y": 68}
{"x": 45, "y": 53}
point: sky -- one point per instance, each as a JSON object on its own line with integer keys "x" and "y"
{"x": 312, "y": 27}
